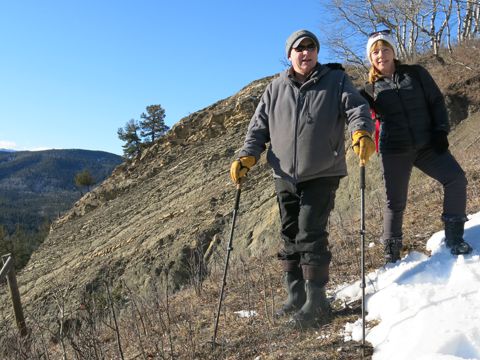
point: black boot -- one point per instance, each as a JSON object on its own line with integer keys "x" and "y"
{"x": 316, "y": 311}
{"x": 454, "y": 238}
{"x": 392, "y": 249}
{"x": 295, "y": 285}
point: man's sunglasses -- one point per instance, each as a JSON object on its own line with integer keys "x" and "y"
{"x": 309, "y": 48}
{"x": 381, "y": 32}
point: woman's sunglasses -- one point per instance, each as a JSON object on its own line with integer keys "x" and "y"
{"x": 381, "y": 32}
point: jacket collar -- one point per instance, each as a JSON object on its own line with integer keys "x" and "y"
{"x": 319, "y": 71}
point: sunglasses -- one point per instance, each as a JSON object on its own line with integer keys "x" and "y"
{"x": 381, "y": 32}
{"x": 309, "y": 48}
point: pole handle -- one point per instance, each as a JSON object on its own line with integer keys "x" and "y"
{"x": 362, "y": 176}
{"x": 237, "y": 195}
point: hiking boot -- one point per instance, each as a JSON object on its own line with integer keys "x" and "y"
{"x": 316, "y": 311}
{"x": 295, "y": 286}
{"x": 392, "y": 248}
{"x": 454, "y": 238}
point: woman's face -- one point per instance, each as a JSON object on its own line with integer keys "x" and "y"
{"x": 382, "y": 56}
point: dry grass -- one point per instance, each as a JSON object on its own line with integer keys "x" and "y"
{"x": 180, "y": 325}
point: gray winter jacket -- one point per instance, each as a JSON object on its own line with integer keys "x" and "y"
{"x": 305, "y": 124}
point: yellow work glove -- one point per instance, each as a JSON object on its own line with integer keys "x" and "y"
{"x": 240, "y": 167}
{"x": 363, "y": 145}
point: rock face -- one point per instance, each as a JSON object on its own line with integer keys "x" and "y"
{"x": 169, "y": 208}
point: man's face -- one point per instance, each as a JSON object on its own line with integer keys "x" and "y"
{"x": 304, "y": 57}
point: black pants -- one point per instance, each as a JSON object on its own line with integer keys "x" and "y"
{"x": 397, "y": 169}
{"x": 304, "y": 211}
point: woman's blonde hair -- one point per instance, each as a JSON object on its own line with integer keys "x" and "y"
{"x": 374, "y": 74}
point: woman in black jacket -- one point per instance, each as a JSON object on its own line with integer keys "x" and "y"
{"x": 413, "y": 132}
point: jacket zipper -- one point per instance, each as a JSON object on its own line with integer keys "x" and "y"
{"x": 297, "y": 112}
{"x": 300, "y": 101}
{"x": 397, "y": 90}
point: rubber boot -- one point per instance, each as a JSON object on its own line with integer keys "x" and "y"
{"x": 316, "y": 310}
{"x": 454, "y": 238}
{"x": 392, "y": 248}
{"x": 295, "y": 285}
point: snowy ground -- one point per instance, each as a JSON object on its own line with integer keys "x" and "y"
{"x": 428, "y": 307}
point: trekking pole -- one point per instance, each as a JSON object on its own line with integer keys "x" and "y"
{"x": 229, "y": 249}
{"x": 362, "y": 248}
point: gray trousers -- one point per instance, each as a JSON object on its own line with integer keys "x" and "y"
{"x": 397, "y": 169}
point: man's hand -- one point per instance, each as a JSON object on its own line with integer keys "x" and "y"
{"x": 363, "y": 145}
{"x": 240, "y": 167}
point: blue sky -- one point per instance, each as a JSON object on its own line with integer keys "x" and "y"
{"x": 72, "y": 72}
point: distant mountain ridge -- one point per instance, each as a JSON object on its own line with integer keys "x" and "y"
{"x": 39, "y": 185}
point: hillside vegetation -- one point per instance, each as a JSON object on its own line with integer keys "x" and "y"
{"x": 39, "y": 185}
{"x": 134, "y": 269}
{"x": 36, "y": 187}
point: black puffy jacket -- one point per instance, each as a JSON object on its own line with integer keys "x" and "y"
{"x": 410, "y": 108}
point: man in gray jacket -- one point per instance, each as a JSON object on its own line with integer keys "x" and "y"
{"x": 302, "y": 115}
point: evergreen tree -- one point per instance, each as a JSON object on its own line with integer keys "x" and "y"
{"x": 84, "y": 179}
{"x": 21, "y": 246}
{"x": 5, "y": 243}
{"x": 152, "y": 124}
{"x": 129, "y": 134}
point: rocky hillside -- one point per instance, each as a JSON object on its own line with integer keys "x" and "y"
{"x": 166, "y": 208}
{"x": 170, "y": 209}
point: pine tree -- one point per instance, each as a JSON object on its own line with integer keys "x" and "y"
{"x": 152, "y": 124}
{"x": 129, "y": 134}
{"x": 21, "y": 246}
{"x": 5, "y": 244}
{"x": 84, "y": 179}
